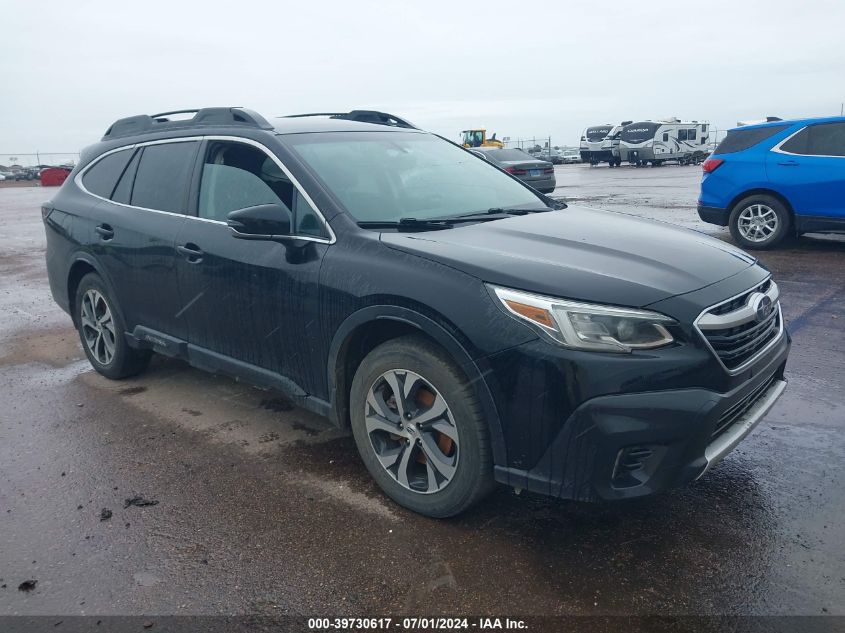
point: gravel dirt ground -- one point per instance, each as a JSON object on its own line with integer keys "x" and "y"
{"x": 265, "y": 509}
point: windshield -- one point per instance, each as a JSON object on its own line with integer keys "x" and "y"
{"x": 639, "y": 132}
{"x": 594, "y": 134}
{"x": 386, "y": 176}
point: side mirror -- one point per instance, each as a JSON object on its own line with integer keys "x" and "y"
{"x": 261, "y": 222}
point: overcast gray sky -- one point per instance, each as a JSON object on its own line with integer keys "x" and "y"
{"x": 68, "y": 69}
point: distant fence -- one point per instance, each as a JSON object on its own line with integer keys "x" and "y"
{"x": 33, "y": 159}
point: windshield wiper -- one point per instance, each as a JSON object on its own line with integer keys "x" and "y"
{"x": 447, "y": 222}
{"x": 406, "y": 224}
{"x": 501, "y": 210}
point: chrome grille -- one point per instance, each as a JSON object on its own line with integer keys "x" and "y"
{"x": 741, "y": 328}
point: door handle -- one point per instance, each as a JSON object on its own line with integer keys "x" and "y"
{"x": 789, "y": 163}
{"x": 106, "y": 232}
{"x": 191, "y": 252}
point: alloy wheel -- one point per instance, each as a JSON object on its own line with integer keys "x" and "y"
{"x": 97, "y": 326}
{"x": 757, "y": 222}
{"x": 412, "y": 431}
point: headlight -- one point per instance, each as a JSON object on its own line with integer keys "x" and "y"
{"x": 586, "y": 326}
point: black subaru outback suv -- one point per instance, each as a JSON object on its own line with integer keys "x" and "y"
{"x": 467, "y": 328}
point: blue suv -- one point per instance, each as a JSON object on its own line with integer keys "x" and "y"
{"x": 771, "y": 181}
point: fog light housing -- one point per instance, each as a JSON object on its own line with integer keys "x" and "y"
{"x": 634, "y": 465}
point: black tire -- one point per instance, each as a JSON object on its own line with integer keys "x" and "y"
{"x": 754, "y": 204}
{"x": 124, "y": 360}
{"x": 472, "y": 478}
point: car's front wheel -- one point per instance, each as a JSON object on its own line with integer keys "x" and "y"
{"x": 419, "y": 428}
{"x": 101, "y": 330}
{"x": 759, "y": 222}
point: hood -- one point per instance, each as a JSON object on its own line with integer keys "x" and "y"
{"x": 581, "y": 254}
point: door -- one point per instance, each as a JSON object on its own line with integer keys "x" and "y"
{"x": 251, "y": 301}
{"x": 809, "y": 169}
{"x": 134, "y": 230}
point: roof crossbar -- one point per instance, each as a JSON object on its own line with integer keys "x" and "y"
{"x": 202, "y": 117}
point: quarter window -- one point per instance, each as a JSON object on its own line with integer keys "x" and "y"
{"x": 161, "y": 182}
{"x": 823, "y": 139}
{"x": 102, "y": 177}
{"x": 123, "y": 191}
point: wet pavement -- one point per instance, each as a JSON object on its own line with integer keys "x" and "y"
{"x": 265, "y": 509}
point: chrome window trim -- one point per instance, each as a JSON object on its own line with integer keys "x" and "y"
{"x": 778, "y": 148}
{"x": 238, "y": 139}
{"x": 761, "y": 352}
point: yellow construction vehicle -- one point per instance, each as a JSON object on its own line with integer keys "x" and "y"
{"x": 478, "y": 138}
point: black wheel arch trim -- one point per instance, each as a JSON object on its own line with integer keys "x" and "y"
{"x": 762, "y": 191}
{"x": 430, "y": 327}
{"x": 89, "y": 259}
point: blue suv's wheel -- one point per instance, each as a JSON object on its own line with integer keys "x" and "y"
{"x": 759, "y": 222}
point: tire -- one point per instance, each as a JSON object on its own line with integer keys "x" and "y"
{"x": 438, "y": 394}
{"x": 114, "y": 361}
{"x": 773, "y": 226}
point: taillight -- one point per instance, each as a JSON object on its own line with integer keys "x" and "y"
{"x": 711, "y": 165}
{"x": 515, "y": 171}
{"x": 549, "y": 170}
{"x": 46, "y": 210}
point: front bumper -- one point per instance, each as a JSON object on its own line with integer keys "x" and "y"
{"x": 628, "y": 445}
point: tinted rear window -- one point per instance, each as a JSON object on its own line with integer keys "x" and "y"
{"x": 739, "y": 140}
{"x": 161, "y": 182}
{"x": 101, "y": 178}
{"x": 824, "y": 139}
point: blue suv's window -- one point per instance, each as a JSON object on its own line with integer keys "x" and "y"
{"x": 822, "y": 139}
{"x": 740, "y": 140}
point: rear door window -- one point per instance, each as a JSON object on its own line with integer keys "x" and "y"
{"x": 822, "y": 139}
{"x": 740, "y": 140}
{"x": 101, "y": 178}
{"x": 161, "y": 181}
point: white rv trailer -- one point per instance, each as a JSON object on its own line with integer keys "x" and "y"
{"x": 610, "y": 144}
{"x": 600, "y": 144}
{"x": 656, "y": 142}
{"x": 591, "y": 141}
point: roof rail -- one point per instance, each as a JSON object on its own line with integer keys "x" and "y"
{"x": 202, "y": 117}
{"x": 364, "y": 116}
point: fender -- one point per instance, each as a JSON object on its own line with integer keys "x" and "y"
{"x": 91, "y": 260}
{"x": 444, "y": 338}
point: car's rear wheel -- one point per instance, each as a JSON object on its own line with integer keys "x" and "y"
{"x": 101, "y": 329}
{"x": 759, "y": 222}
{"x": 419, "y": 428}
